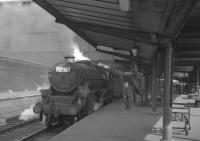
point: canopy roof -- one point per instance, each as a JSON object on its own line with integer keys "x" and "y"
{"x": 142, "y": 27}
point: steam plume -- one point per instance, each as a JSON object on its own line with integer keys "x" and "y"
{"x": 28, "y": 114}
{"x": 33, "y": 24}
{"x": 78, "y": 54}
{"x": 103, "y": 65}
{"x": 44, "y": 86}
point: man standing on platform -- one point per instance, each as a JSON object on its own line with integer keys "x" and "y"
{"x": 127, "y": 93}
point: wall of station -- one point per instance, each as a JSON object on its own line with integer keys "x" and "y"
{"x": 19, "y": 78}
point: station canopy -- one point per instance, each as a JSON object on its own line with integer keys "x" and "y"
{"x": 133, "y": 26}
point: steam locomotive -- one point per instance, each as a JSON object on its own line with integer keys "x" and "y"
{"x": 75, "y": 88}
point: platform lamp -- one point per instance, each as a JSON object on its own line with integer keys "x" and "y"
{"x": 125, "y": 5}
{"x": 134, "y": 52}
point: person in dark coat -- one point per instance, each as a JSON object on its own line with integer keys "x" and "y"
{"x": 127, "y": 93}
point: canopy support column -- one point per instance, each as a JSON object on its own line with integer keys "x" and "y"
{"x": 198, "y": 79}
{"x": 147, "y": 87}
{"x": 167, "y": 107}
{"x": 153, "y": 86}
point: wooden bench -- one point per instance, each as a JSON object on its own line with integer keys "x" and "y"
{"x": 181, "y": 113}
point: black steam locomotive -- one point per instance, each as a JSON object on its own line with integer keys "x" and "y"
{"x": 76, "y": 89}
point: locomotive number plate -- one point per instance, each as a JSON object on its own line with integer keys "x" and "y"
{"x": 62, "y": 69}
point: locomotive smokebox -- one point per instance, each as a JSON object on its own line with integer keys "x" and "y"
{"x": 65, "y": 76}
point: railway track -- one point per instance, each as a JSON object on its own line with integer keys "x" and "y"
{"x": 14, "y": 123}
{"x": 44, "y": 134}
{"x": 33, "y": 130}
{"x": 18, "y": 131}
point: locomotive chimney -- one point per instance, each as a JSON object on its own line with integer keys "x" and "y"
{"x": 69, "y": 58}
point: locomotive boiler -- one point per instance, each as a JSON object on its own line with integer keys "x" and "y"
{"x": 75, "y": 87}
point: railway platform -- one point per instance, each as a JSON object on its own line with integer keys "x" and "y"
{"x": 114, "y": 123}
{"x": 12, "y": 95}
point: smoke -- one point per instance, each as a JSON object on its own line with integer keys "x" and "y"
{"x": 24, "y": 18}
{"x": 44, "y": 86}
{"x": 103, "y": 65}
{"x": 29, "y": 28}
{"x": 78, "y": 54}
{"x": 28, "y": 114}
{"x": 10, "y": 91}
